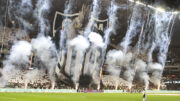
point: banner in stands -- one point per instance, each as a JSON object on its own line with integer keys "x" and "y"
{"x": 60, "y": 18}
{"x": 101, "y": 24}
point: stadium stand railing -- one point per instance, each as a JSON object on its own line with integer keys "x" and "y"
{"x": 75, "y": 91}
{"x": 40, "y": 90}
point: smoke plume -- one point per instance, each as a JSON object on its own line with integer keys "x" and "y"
{"x": 135, "y": 22}
{"x": 19, "y": 56}
{"x": 18, "y": 13}
{"x": 96, "y": 10}
{"x": 45, "y": 49}
{"x": 141, "y": 71}
{"x": 79, "y": 44}
{"x": 156, "y": 69}
{"x": 42, "y": 8}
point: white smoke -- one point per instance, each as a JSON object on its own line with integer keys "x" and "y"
{"x": 69, "y": 6}
{"x": 135, "y": 22}
{"x": 19, "y": 55}
{"x": 20, "y": 52}
{"x": 80, "y": 45}
{"x": 140, "y": 65}
{"x": 155, "y": 69}
{"x": 96, "y": 39}
{"x": 66, "y": 35}
{"x": 155, "y": 66}
{"x": 25, "y": 23}
{"x": 26, "y": 7}
{"x": 95, "y": 60}
{"x": 162, "y": 35}
{"x": 3, "y": 82}
{"x": 96, "y": 8}
{"x": 7, "y": 71}
{"x": 18, "y": 11}
{"x": 42, "y": 7}
{"x": 141, "y": 69}
{"x": 129, "y": 74}
{"x": 128, "y": 65}
{"x": 127, "y": 59}
{"x": 113, "y": 18}
{"x": 94, "y": 14}
{"x": 112, "y": 11}
{"x": 32, "y": 75}
{"x": 45, "y": 49}
{"x": 42, "y": 46}
{"x": 114, "y": 59}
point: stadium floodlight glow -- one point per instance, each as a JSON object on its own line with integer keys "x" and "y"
{"x": 160, "y": 9}
{"x": 131, "y": 0}
{"x": 151, "y": 7}
{"x": 140, "y": 3}
{"x": 12, "y": 21}
{"x": 176, "y": 12}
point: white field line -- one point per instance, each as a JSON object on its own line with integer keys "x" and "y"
{"x": 166, "y": 94}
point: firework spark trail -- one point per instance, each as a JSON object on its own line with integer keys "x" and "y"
{"x": 163, "y": 33}
{"x": 94, "y": 14}
{"x": 42, "y": 8}
{"x": 80, "y": 45}
{"x": 135, "y": 22}
{"x": 4, "y": 30}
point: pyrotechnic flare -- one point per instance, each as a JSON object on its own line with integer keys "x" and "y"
{"x": 155, "y": 35}
{"x": 78, "y": 46}
{"x": 92, "y": 64}
{"x": 141, "y": 72}
{"x": 93, "y": 15}
{"x": 42, "y": 8}
{"x": 135, "y": 22}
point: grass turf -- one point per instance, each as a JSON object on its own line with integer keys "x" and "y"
{"x": 82, "y": 97}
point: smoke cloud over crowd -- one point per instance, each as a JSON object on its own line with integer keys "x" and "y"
{"x": 84, "y": 49}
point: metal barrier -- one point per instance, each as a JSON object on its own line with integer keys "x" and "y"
{"x": 39, "y": 90}
{"x": 75, "y": 91}
{"x": 148, "y": 91}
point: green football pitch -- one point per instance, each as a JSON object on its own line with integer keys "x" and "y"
{"x": 83, "y": 97}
